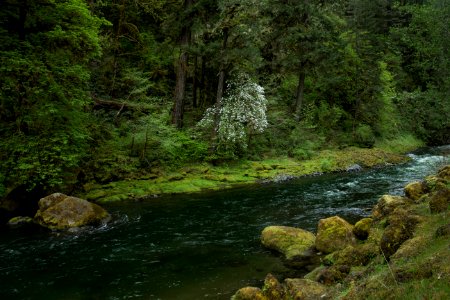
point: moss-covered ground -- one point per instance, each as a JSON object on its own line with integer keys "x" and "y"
{"x": 419, "y": 270}
{"x": 205, "y": 176}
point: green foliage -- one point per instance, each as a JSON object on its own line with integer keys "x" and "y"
{"x": 2, "y": 185}
{"x": 326, "y": 164}
{"x": 426, "y": 114}
{"x": 388, "y": 126}
{"x": 359, "y": 73}
{"x": 43, "y": 82}
{"x": 364, "y": 135}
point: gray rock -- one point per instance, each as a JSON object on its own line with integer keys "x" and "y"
{"x": 354, "y": 168}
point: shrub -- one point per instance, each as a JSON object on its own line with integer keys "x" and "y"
{"x": 364, "y": 135}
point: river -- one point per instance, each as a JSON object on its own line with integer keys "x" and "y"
{"x": 192, "y": 246}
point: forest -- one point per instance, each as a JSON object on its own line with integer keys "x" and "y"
{"x": 101, "y": 91}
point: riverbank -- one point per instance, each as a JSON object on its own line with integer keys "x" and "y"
{"x": 206, "y": 176}
{"x": 399, "y": 252}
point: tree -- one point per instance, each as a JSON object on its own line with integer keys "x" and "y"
{"x": 45, "y": 48}
{"x": 242, "y": 114}
{"x": 424, "y": 44}
{"x": 300, "y": 35}
{"x": 182, "y": 65}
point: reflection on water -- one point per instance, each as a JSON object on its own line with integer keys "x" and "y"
{"x": 189, "y": 246}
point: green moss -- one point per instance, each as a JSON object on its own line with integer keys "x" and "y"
{"x": 420, "y": 269}
{"x": 198, "y": 177}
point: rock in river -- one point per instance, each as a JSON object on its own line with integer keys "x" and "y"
{"x": 58, "y": 211}
{"x": 291, "y": 242}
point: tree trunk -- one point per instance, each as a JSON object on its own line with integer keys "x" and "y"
{"x": 300, "y": 93}
{"x": 194, "y": 83}
{"x": 220, "y": 88}
{"x": 181, "y": 74}
{"x": 22, "y": 19}
{"x": 180, "y": 88}
{"x": 203, "y": 84}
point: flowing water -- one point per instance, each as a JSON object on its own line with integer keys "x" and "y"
{"x": 194, "y": 246}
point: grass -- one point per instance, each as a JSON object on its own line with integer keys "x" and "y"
{"x": 419, "y": 270}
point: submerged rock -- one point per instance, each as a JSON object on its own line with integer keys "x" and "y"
{"x": 59, "y": 211}
{"x": 333, "y": 234}
{"x": 20, "y": 221}
{"x": 289, "y": 241}
{"x": 305, "y": 289}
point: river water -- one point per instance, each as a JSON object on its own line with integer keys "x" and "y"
{"x": 194, "y": 246}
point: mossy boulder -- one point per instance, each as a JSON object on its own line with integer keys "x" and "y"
{"x": 314, "y": 274}
{"x": 444, "y": 173}
{"x": 249, "y": 293}
{"x": 401, "y": 227}
{"x": 333, "y": 234}
{"x": 293, "y": 243}
{"x": 410, "y": 248}
{"x": 273, "y": 289}
{"x": 50, "y": 200}
{"x": 414, "y": 190}
{"x": 333, "y": 274}
{"x": 305, "y": 289}
{"x": 362, "y": 228}
{"x": 443, "y": 231}
{"x": 59, "y": 211}
{"x": 440, "y": 200}
{"x": 386, "y": 205}
{"x": 20, "y": 221}
{"x": 354, "y": 255}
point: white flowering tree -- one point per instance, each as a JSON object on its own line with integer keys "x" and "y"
{"x": 242, "y": 112}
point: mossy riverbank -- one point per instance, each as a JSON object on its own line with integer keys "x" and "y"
{"x": 403, "y": 253}
{"x": 206, "y": 176}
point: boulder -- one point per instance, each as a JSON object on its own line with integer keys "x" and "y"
{"x": 443, "y": 231}
{"x": 59, "y": 211}
{"x": 314, "y": 274}
{"x": 51, "y": 200}
{"x": 292, "y": 242}
{"x": 333, "y": 274}
{"x": 440, "y": 200}
{"x": 273, "y": 289}
{"x": 362, "y": 228}
{"x": 433, "y": 182}
{"x": 444, "y": 173}
{"x": 386, "y": 204}
{"x": 20, "y": 221}
{"x": 305, "y": 289}
{"x": 414, "y": 190}
{"x": 353, "y": 256}
{"x": 401, "y": 227}
{"x": 410, "y": 248}
{"x": 249, "y": 293}
{"x": 354, "y": 168}
{"x": 333, "y": 234}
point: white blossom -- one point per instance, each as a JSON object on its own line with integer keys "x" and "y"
{"x": 243, "y": 110}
